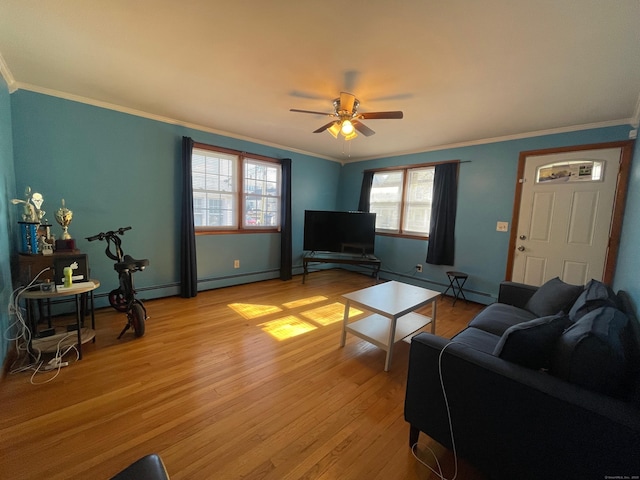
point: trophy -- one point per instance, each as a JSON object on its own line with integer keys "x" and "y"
{"x": 64, "y": 217}
{"x": 33, "y": 226}
{"x": 32, "y": 204}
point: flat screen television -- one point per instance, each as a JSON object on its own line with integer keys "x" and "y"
{"x": 343, "y": 232}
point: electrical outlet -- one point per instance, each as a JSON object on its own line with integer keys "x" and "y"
{"x": 419, "y": 268}
{"x": 502, "y": 227}
{"x": 236, "y": 264}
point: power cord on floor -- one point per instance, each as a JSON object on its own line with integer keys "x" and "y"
{"x": 453, "y": 443}
{"x": 19, "y": 332}
{"x": 56, "y": 363}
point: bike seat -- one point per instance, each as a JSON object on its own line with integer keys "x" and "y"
{"x": 130, "y": 263}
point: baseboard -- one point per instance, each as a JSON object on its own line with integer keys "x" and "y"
{"x": 483, "y": 298}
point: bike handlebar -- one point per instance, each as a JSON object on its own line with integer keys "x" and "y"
{"x": 109, "y": 234}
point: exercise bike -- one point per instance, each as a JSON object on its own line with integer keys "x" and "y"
{"x": 123, "y": 298}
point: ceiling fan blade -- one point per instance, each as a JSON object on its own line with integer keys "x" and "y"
{"x": 380, "y": 115}
{"x": 324, "y": 127}
{"x": 310, "y": 111}
{"x": 307, "y": 95}
{"x": 362, "y": 128}
{"x": 351, "y": 79}
{"x": 346, "y": 101}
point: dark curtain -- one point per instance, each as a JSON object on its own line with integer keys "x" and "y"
{"x": 188, "y": 270}
{"x": 286, "y": 256}
{"x": 365, "y": 192}
{"x": 443, "y": 215}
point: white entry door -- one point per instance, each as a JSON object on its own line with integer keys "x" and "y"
{"x": 565, "y": 216}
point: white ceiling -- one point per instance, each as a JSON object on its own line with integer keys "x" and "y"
{"x": 463, "y": 71}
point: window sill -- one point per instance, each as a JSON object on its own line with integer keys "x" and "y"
{"x": 404, "y": 235}
{"x": 236, "y": 232}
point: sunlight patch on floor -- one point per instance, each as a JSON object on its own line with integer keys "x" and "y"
{"x": 328, "y": 314}
{"x": 251, "y": 310}
{"x": 286, "y": 327}
{"x": 305, "y": 301}
{"x": 293, "y": 325}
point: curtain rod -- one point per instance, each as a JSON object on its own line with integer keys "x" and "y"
{"x": 417, "y": 165}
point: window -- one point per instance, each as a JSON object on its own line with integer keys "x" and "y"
{"x": 261, "y": 193}
{"x": 402, "y": 199}
{"x": 214, "y": 189}
{"x": 234, "y": 192}
{"x": 570, "y": 172}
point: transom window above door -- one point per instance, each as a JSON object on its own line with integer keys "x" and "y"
{"x": 572, "y": 171}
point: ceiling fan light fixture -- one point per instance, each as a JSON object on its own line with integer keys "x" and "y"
{"x": 351, "y": 136}
{"x": 346, "y": 119}
{"x": 334, "y": 130}
{"x": 347, "y": 128}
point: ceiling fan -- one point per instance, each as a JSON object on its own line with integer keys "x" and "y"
{"x": 347, "y": 118}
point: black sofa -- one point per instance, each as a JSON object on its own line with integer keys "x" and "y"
{"x": 543, "y": 384}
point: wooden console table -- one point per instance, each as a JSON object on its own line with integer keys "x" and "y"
{"x": 341, "y": 258}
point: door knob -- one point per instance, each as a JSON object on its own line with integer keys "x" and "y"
{"x": 523, "y": 237}
{"x": 521, "y": 248}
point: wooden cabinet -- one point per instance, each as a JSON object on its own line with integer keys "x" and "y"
{"x": 29, "y": 265}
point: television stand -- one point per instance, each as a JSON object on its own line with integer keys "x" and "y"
{"x": 369, "y": 261}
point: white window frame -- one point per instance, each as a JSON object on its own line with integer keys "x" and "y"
{"x": 267, "y": 214}
{"x": 234, "y": 192}
{"x": 409, "y": 204}
{"x": 208, "y": 180}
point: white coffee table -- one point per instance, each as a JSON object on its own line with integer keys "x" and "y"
{"x": 394, "y": 318}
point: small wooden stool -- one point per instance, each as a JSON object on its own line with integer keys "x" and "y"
{"x": 455, "y": 285}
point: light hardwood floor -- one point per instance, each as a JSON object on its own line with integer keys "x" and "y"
{"x": 241, "y": 382}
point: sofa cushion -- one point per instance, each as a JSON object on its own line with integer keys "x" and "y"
{"x": 498, "y": 317}
{"x": 595, "y": 295}
{"x": 632, "y": 348}
{"x": 477, "y": 339}
{"x": 531, "y": 344}
{"x": 591, "y": 352}
{"x": 552, "y": 297}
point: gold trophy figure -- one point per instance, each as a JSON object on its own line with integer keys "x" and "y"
{"x": 64, "y": 217}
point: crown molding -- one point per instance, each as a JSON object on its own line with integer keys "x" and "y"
{"x": 506, "y": 138}
{"x": 7, "y": 75}
{"x": 635, "y": 121}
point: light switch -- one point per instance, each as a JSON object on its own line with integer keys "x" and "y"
{"x": 502, "y": 227}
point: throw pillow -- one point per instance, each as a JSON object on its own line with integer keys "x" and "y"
{"x": 591, "y": 352}
{"x": 595, "y": 295}
{"x": 531, "y": 344}
{"x": 553, "y": 296}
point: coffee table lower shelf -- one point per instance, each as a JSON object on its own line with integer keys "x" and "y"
{"x": 375, "y": 328}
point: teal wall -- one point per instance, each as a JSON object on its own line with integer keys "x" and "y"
{"x": 7, "y": 216}
{"x": 486, "y": 192}
{"x": 114, "y": 169}
{"x": 628, "y": 268}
